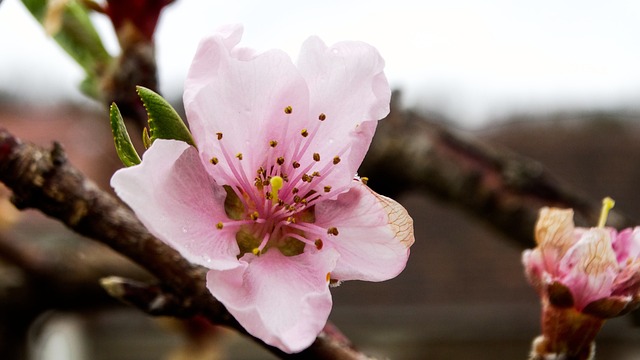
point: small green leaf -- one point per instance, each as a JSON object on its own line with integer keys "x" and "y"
{"x": 126, "y": 152}
{"x": 75, "y": 33}
{"x": 164, "y": 121}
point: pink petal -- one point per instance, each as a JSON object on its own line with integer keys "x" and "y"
{"x": 374, "y": 234}
{"x": 347, "y": 84}
{"x": 589, "y": 267}
{"x": 179, "y": 203}
{"x": 534, "y": 268}
{"x": 243, "y": 95}
{"x": 626, "y": 244}
{"x": 285, "y": 301}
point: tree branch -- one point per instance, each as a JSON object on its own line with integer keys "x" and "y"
{"x": 44, "y": 180}
{"x": 494, "y": 185}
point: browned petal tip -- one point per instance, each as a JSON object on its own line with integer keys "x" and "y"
{"x": 607, "y": 307}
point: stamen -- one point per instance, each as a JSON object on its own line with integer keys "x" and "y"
{"x": 316, "y": 157}
{"x": 607, "y": 205}
{"x": 214, "y": 160}
{"x": 336, "y": 160}
{"x": 304, "y": 133}
{"x": 327, "y": 188}
{"x": 239, "y": 156}
{"x": 319, "y": 244}
{"x": 364, "y": 180}
{"x": 288, "y": 110}
{"x": 332, "y": 231}
{"x": 280, "y": 160}
{"x": 295, "y": 164}
{"x": 273, "y": 143}
{"x": 219, "y": 135}
{"x": 219, "y": 225}
{"x": 322, "y": 117}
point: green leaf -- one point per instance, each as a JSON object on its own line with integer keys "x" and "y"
{"x": 164, "y": 121}
{"x": 126, "y": 152}
{"x": 75, "y": 33}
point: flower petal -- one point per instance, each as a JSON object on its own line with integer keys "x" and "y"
{"x": 175, "y": 198}
{"x": 374, "y": 234}
{"x": 347, "y": 84}
{"x": 283, "y": 300}
{"x": 589, "y": 267}
{"x": 554, "y": 234}
{"x": 242, "y": 95}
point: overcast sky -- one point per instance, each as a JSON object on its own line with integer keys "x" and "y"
{"x": 469, "y": 59}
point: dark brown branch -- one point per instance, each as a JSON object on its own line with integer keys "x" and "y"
{"x": 494, "y": 185}
{"x": 44, "y": 180}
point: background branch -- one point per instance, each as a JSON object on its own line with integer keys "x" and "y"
{"x": 494, "y": 185}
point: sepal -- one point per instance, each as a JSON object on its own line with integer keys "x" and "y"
{"x": 164, "y": 121}
{"x": 124, "y": 147}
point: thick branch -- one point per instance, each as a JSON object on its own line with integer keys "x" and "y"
{"x": 44, "y": 180}
{"x": 496, "y": 186}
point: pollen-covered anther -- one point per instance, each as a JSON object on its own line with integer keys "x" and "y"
{"x": 327, "y": 189}
{"x": 319, "y": 244}
{"x": 364, "y": 180}
{"x": 219, "y": 226}
{"x": 295, "y": 164}
{"x": 336, "y": 160}
{"x": 273, "y": 143}
{"x": 254, "y": 215}
{"x": 268, "y": 195}
{"x": 322, "y": 117}
{"x": 315, "y": 174}
{"x": 214, "y": 160}
{"x": 291, "y": 220}
{"x": 306, "y": 178}
{"x": 297, "y": 199}
{"x": 288, "y": 110}
{"x": 219, "y": 135}
{"x": 294, "y": 190}
{"x": 304, "y": 133}
{"x": 328, "y": 277}
{"x": 239, "y": 156}
{"x": 316, "y": 157}
{"x": 332, "y": 231}
{"x": 280, "y": 160}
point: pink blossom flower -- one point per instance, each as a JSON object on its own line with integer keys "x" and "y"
{"x": 584, "y": 276}
{"x": 268, "y": 200}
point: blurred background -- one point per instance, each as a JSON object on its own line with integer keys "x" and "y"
{"x": 554, "y": 81}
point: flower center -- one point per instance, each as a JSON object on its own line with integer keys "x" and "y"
{"x": 277, "y": 208}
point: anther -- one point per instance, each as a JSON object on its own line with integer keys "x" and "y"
{"x": 297, "y": 199}
{"x": 280, "y": 160}
{"x": 364, "y": 180}
{"x": 294, "y": 190}
{"x": 239, "y": 156}
{"x": 336, "y": 160}
{"x": 273, "y": 143}
{"x": 306, "y": 178}
{"x": 214, "y": 160}
{"x": 327, "y": 189}
{"x": 219, "y": 226}
{"x": 288, "y": 110}
{"x": 219, "y": 135}
{"x": 316, "y": 157}
{"x": 332, "y": 231}
{"x": 304, "y": 133}
{"x": 268, "y": 195}
{"x": 256, "y": 251}
{"x": 315, "y": 174}
{"x": 254, "y": 215}
{"x": 295, "y": 164}
{"x": 322, "y": 117}
{"x": 319, "y": 244}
